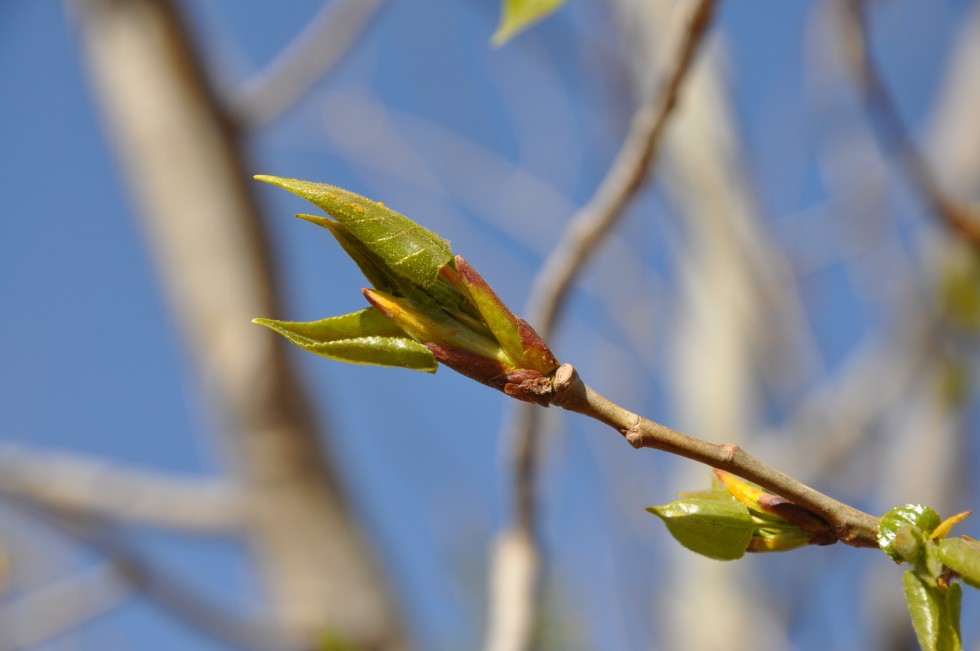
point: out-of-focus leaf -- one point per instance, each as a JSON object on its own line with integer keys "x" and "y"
{"x": 518, "y": 15}
{"x": 410, "y": 250}
{"x": 716, "y": 528}
{"x": 963, "y": 557}
{"x": 935, "y": 613}
{"x": 364, "y": 337}
{"x": 923, "y": 518}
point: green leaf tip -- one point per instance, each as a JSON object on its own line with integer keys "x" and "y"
{"x": 364, "y": 337}
{"x": 518, "y": 15}
{"x": 408, "y": 249}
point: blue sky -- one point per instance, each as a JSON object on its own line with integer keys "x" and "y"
{"x": 91, "y": 361}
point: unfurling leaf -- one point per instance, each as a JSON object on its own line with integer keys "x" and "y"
{"x": 963, "y": 557}
{"x": 518, "y": 15}
{"x": 923, "y": 519}
{"x": 935, "y": 613}
{"x": 414, "y": 252}
{"x": 364, "y": 337}
{"x": 426, "y": 311}
{"x": 716, "y": 528}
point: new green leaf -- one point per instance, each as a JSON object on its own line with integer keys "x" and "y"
{"x": 518, "y": 15}
{"x": 935, "y": 613}
{"x": 364, "y": 337}
{"x": 923, "y": 519}
{"x": 410, "y": 250}
{"x": 716, "y": 528}
{"x": 963, "y": 557}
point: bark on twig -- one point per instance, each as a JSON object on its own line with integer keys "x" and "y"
{"x": 851, "y": 526}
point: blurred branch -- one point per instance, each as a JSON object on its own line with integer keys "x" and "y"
{"x": 94, "y": 488}
{"x": 163, "y": 588}
{"x": 182, "y": 156}
{"x": 508, "y": 628}
{"x": 891, "y": 131}
{"x": 308, "y": 57}
{"x": 56, "y": 609}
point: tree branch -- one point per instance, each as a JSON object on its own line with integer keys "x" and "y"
{"x": 58, "y": 608}
{"x": 891, "y": 131}
{"x": 92, "y": 488}
{"x": 851, "y": 526}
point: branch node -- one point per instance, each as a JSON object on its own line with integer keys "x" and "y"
{"x": 563, "y": 384}
{"x": 730, "y": 450}
{"x": 634, "y": 434}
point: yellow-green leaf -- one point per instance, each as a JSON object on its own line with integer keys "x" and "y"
{"x": 518, "y": 15}
{"x": 935, "y": 613}
{"x": 922, "y": 518}
{"x": 364, "y": 337}
{"x": 963, "y": 557}
{"x": 716, "y": 528}
{"x": 410, "y": 250}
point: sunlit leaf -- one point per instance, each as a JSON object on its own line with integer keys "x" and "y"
{"x": 518, "y": 15}
{"x": 947, "y": 525}
{"x": 963, "y": 557}
{"x": 935, "y": 613}
{"x": 410, "y": 250}
{"x": 716, "y": 528}
{"x": 922, "y": 518}
{"x": 364, "y": 337}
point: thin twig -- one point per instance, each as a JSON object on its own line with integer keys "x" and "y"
{"x": 180, "y": 599}
{"x": 58, "y": 608}
{"x": 586, "y": 230}
{"x": 95, "y": 488}
{"x": 308, "y": 57}
{"x": 589, "y": 227}
{"x": 851, "y": 526}
{"x": 891, "y": 132}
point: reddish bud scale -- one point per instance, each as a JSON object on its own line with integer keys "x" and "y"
{"x": 519, "y": 340}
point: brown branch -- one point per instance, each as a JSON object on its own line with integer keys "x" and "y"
{"x": 509, "y": 628}
{"x": 84, "y": 487}
{"x": 851, "y": 526}
{"x": 891, "y": 131}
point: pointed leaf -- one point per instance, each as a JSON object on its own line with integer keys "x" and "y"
{"x": 518, "y": 15}
{"x": 935, "y": 613}
{"x": 410, "y": 250}
{"x": 364, "y": 337}
{"x": 719, "y": 529}
{"x": 924, "y": 519}
{"x": 963, "y": 557}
